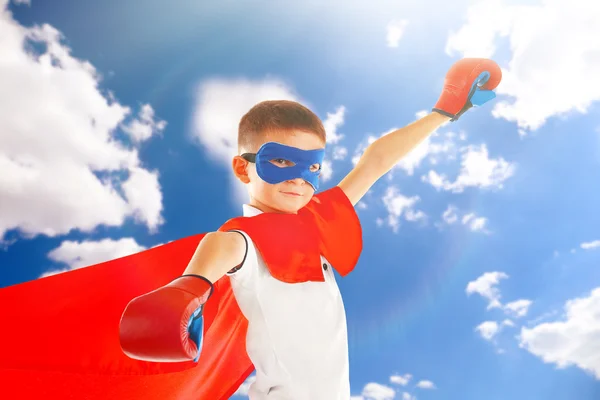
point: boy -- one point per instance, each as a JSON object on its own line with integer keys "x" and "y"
{"x": 279, "y": 256}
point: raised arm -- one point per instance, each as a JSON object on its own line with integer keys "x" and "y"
{"x": 469, "y": 82}
{"x": 385, "y": 152}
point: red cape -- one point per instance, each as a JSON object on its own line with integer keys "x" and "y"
{"x": 59, "y": 337}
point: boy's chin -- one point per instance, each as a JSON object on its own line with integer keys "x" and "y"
{"x": 291, "y": 205}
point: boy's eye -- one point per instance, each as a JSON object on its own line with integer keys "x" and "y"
{"x": 282, "y": 162}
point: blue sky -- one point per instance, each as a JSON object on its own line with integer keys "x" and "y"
{"x": 479, "y": 277}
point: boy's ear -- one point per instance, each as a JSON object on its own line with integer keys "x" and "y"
{"x": 240, "y": 169}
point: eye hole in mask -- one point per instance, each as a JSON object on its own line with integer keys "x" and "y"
{"x": 282, "y": 163}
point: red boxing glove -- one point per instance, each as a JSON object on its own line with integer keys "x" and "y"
{"x": 463, "y": 80}
{"x": 154, "y": 326}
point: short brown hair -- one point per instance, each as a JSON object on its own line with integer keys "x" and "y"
{"x": 277, "y": 115}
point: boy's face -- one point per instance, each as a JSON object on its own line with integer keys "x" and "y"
{"x": 288, "y": 196}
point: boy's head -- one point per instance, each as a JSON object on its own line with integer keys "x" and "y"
{"x": 297, "y": 131}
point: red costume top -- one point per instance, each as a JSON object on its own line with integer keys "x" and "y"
{"x": 60, "y": 334}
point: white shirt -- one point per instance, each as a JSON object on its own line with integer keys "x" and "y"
{"x": 297, "y": 336}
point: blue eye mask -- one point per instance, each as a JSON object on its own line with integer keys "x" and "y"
{"x": 299, "y": 163}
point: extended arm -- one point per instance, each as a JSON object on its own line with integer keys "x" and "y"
{"x": 469, "y": 82}
{"x": 166, "y": 325}
{"x": 217, "y": 253}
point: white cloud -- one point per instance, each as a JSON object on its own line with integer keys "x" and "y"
{"x": 555, "y": 53}
{"x": 508, "y": 322}
{"x": 518, "y": 308}
{"x": 245, "y": 386}
{"x": 19, "y": 2}
{"x": 413, "y": 216}
{"x": 332, "y": 122}
{"x": 447, "y": 146}
{"x": 450, "y": 215}
{"x": 140, "y": 183}
{"x": 63, "y": 167}
{"x": 488, "y": 329}
{"x": 145, "y": 125}
{"x": 425, "y": 384}
{"x": 326, "y": 171}
{"x": 398, "y": 206}
{"x": 376, "y": 391}
{"x": 474, "y": 223}
{"x": 395, "y": 31}
{"x": 339, "y": 153}
{"x": 434, "y": 179}
{"x": 408, "y": 396}
{"x": 544, "y": 317}
{"x": 485, "y": 286}
{"x": 574, "y": 341}
{"x": 220, "y": 105}
{"x": 590, "y": 245}
{"x": 86, "y": 253}
{"x": 477, "y": 170}
{"x": 401, "y": 380}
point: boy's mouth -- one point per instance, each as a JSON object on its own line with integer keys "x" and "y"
{"x": 292, "y": 194}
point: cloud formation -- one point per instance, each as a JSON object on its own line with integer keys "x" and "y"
{"x": 571, "y": 341}
{"x": 79, "y": 254}
{"x": 63, "y": 164}
{"x": 554, "y": 56}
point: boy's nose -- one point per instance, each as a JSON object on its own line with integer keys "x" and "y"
{"x": 297, "y": 181}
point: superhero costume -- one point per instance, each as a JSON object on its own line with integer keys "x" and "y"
{"x": 63, "y": 335}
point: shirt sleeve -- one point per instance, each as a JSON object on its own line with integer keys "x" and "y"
{"x": 334, "y": 210}
{"x": 339, "y": 227}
